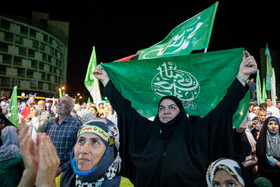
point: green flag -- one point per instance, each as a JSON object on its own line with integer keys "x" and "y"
{"x": 193, "y": 34}
{"x": 273, "y": 88}
{"x": 258, "y": 88}
{"x": 60, "y": 92}
{"x": 91, "y": 83}
{"x": 200, "y": 81}
{"x": 264, "y": 95}
{"x": 13, "y": 106}
{"x": 268, "y": 68}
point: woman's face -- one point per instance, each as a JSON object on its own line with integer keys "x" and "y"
{"x": 224, "y": 179}
{"x": 88, "y": 151}
{"x": 167, "y": 110}
{"x": 33, "y": 111}
{"x": 273, "y": 127}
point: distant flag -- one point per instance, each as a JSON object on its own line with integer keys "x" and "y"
{"x": 268, "y": 68}
{"x": 193, "y": 34}
{"x": 91, "y": 83}
{"x": 88, "y": 100}
{"x": 264, "y": 95}
{"x": 13, "y": 106}
{"x": 273, "y": 88}
{"x": 128, "y": 58}
{"x": 258, "y": 88}
{"x": 60, "y": 92}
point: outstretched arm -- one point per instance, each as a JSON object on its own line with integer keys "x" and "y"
{"x": 247, "y": 67}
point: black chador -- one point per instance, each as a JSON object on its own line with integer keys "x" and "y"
{"x": 176, "y": 153}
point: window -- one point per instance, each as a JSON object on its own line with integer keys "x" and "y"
{"x": 23, "y": 30}
{"x": 20, "y": 72}
{"x": 9, "y": 37}
{"x": 3, "y": 47}
{"x": 5, "y": 24}
{"x": 17, "y": 61}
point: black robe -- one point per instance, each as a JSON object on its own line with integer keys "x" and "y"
{"x": 265, "y": 169}
{"x": 191, "y": 148}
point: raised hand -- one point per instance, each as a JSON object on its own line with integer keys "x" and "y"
{"x": 30, "y": 156}
{"x": 100, "y": 74}
{"x": 248, "y": 65}
{"x": 48, "y": 161}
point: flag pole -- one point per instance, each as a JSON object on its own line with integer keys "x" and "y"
{"x": 205, "y": 50}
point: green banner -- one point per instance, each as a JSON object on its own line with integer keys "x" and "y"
{"x": 193, "y": 34}
{"x": 258, "y": 88}
{"x": 91, "y": 83}
{"x": 13, "y": 106}
{"x": 268, "y": 68}
{"x": 200, "y": 81}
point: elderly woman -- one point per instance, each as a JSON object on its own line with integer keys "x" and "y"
{"x": 227, "y": 172}
{"x": 96, "y": 159}
{"x": 268, "y": 150}
{"x": 11, "y": 167}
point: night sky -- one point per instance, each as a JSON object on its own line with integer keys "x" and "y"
{"x": 119, "y": 28}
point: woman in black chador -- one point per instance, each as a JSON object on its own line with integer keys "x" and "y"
{"x": 268, "y": 150}
{"x": 170, "y": 151}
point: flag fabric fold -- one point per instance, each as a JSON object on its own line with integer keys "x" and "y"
{"x": 264, "y": 95}
{"x": 91, "y": 83}
{"x": 268, "y": 69}
{"x": 258, "y": 88}
{"x": 193, "y": 34}
{"x": 13, "y": 106}
{"x": 200, "y": 81}
{"x": 273, "y": 88}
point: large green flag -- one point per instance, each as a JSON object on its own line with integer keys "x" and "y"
{"x": 91, "y": 83}
{"x": 193, "y": 34}
{"x": 268, "y": 68}
{"x": 200, "y": 81}
{"x": 13, "y": 106}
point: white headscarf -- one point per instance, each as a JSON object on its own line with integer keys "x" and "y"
{"x": 229, "y": 166}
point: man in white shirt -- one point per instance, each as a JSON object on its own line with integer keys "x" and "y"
{"x": 271, "y": 110}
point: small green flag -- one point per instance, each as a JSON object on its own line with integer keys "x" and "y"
{"x": 268, "y": 69}
{"x": 91, "y": 83}
{"x": 273, "y": 88}
{"x": 13, "y": 106}
{"x": 193, "y": 34}
{"x": 200, "y": 81}
{"x": 264, "y": 95}
{"x": 60, "y": 92}
{"x": 258, "y": 88}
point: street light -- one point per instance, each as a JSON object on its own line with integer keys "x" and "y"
{"x": 63, "y": 88}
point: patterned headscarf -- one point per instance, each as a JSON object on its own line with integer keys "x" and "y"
{"x": 230, "y": 166}
{"x": 10, "y": 148}
{"x": 109, "y": 166}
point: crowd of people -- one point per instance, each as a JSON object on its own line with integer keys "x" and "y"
{"x": 63, "y": 143}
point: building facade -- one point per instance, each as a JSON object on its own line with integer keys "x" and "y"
{"x": 32, "y": 58}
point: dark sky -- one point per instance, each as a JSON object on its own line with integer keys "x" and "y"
{"x": 119, "y": 28}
